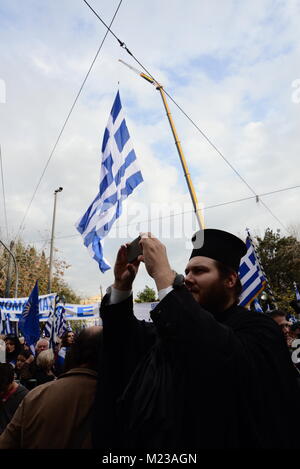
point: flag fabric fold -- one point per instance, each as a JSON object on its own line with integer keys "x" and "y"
{"x": 56, "y": 324}
{"x": 257, "y": 306}
{"x": 29, "y": 322}
{"x": 296, "y": 292}
{"x": 251, "y": 274}
{"x": 5, "y": 327}
{"x": 119, "y": 176}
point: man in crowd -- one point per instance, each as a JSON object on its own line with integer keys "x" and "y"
{"x": 30, "y": 369}
{"x": 11, "y": 394}
{"x": 41, "y": 345}
{"x": 280, "y": 318}
{"x": 58, "y": 414}
{"x": 207, "y": 373}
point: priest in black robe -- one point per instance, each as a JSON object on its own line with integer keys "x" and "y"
{"x": 207, "y": 373}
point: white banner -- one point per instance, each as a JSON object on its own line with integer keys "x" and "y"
{"x": 143, "y": 310}
{"x": 73, "y": 312}
{"x": 14, "y": 306}
{"x": 79, "y": 312}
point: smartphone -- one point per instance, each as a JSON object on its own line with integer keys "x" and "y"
{"x": 134, "y": 250}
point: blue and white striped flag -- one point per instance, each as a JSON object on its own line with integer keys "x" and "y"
{"x": 257, "y": 306}
{"x": 56, "y": 324}
{"x": 291, "y": 318}
{"x": 251, "y": 275}
{"x": 48, "y": 326}
{"x": 5, "y": 327}
{"x": 297, "y": 292}
{"x": 119, "y": 176}
{"x": 61, "y": 323}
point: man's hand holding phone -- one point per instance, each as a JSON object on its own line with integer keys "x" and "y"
{"x": 127, "y": 265}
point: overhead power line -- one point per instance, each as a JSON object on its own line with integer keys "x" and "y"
{"x": 66, "y": 121}
{"x": 123, "y": 45}
{"x": 222, "y": 204}
{"x": 3, "y": 191}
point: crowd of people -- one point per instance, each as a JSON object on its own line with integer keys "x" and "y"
{"x": 204, "y": 373}
{"x": 37, "y": 390}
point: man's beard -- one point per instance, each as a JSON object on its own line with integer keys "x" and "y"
{"x": 215, "y": 298}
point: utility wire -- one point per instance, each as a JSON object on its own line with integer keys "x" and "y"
{"x": 3, "y": 190}
{"x": 66, "y": 121}
{"x": 222, "y": 204}
{"x": 123, "y": 45}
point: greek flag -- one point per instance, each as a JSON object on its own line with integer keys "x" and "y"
{"x": 56, "y": 324}
{"x": 5, "y": 328}
{"x": 291, "y": 318}
{"x": 297, "y": 292}
{"x": 48, "y": 327}
{"x": 61, "y": 321}
{"x": 251, "y": 275}
{"x": 119, "y": 176}
{"x": 257, "y": 306}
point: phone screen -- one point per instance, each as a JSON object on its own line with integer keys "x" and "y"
{"x": 134, "y": 250}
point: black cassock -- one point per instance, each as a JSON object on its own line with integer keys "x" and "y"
{"x": 194, "y": 380}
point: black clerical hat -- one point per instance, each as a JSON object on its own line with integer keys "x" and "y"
{"x": 220, "y": 246}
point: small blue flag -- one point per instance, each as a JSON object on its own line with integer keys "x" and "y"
{"x": 257, "y": 306}
{"x": 120, "y": 175}
{"x": 297, "y": 292}
{"x": 4, "y": 324}
{"x": 29, "y": 322}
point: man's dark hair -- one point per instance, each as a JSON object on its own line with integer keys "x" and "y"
{"x": 25, "y": 353}
{"x": 225, "y": 271}
{"x": 6, "y": 376}
{"x": 275, "y": 313}
{"x": 18, "y": 346}
{"x": 85, "y": 350}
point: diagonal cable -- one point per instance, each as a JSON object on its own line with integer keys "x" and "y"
{"x": 222, "y": 204}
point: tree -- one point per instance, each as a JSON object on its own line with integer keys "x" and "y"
{"x": 33, "y": 265}
{"x": 280, "y": 257}
{"x": 146, "y": 296}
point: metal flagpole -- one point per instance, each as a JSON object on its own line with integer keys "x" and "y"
{"x": 52, "y": 240}
{"x": 197, "y": 210}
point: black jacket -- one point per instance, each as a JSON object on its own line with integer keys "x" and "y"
{"x": 8, "y": 408}
{"x": 193, "y": 380}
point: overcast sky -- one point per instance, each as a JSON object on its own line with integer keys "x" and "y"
{"x": 232, "y": 66}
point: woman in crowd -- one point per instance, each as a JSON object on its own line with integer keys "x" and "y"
{"x": 66, "y": 341}
{"x": 23, "y": 372}
{"x": 13, "y": 348}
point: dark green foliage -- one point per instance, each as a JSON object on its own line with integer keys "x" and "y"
{"x": 148, "y": 295}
